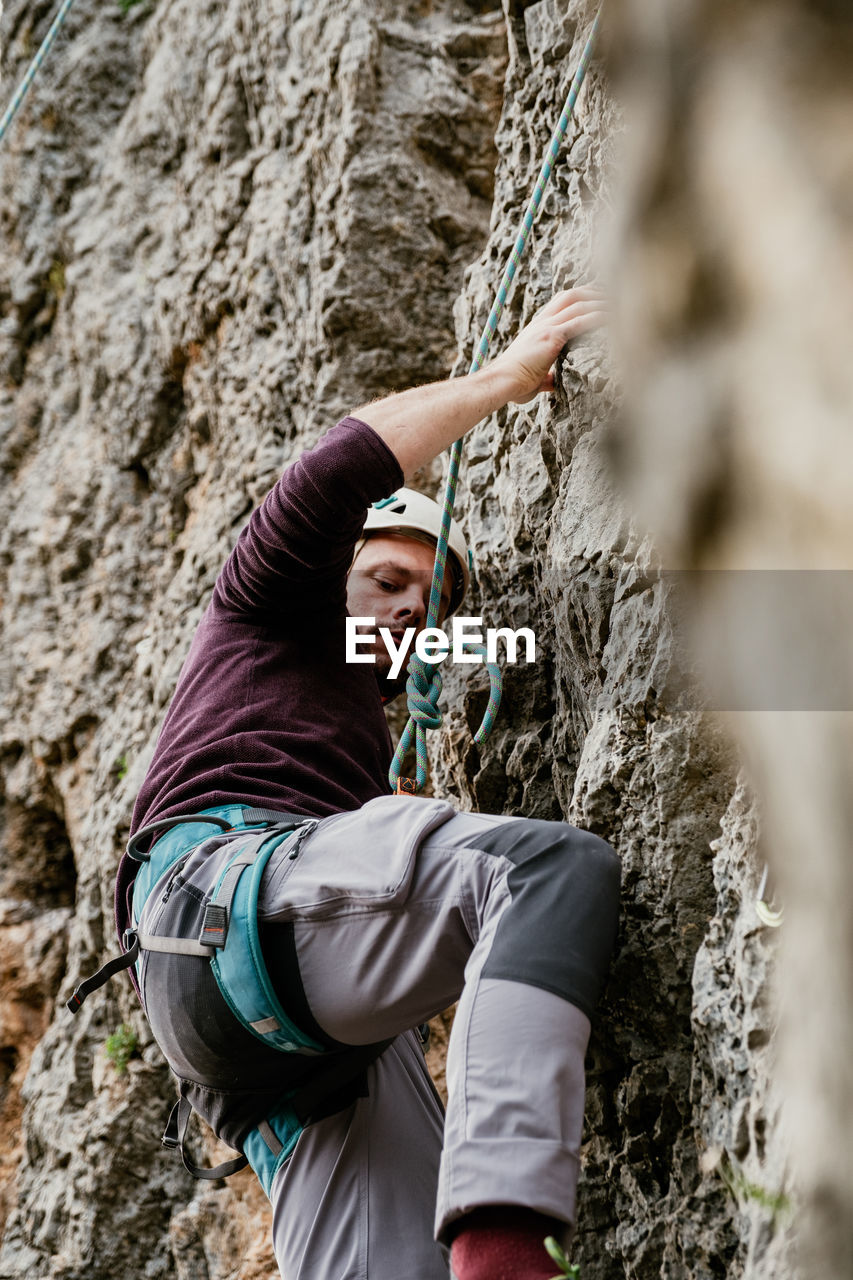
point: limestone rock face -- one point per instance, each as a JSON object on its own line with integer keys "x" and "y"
{"x": 735, "y": 260}
{"x": 223, "y": 227}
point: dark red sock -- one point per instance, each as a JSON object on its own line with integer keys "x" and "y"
{"x": 504, "y": 1242}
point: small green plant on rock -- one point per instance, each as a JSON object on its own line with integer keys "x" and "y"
{"x": 742, "y": 1190}
{"x": 56, "y": 279}
{"x": 121, "y": 1046}
{"x": 776, "y": 1203}
{"x": 569, "y": 1270}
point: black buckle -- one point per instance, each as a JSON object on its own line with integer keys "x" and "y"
{"x": 214, "y": 929}
{"x": 174, "y": 1132}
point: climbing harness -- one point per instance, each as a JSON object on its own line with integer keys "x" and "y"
{"x": 184, "y": 927}
{"x": 768, "y": 914}
{"x": 21, "y": 91}
{"x": 423, "y": 687}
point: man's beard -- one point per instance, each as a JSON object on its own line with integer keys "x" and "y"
{"x": 389, "y": 688}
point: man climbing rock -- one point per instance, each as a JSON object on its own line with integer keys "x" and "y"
{"x": 295, "y": 921}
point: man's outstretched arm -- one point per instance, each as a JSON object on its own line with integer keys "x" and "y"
{"x": 421, "y": 423}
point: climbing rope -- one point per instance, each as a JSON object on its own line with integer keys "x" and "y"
{"x": 21, "y": 91}
{"x": 424, "y": 685}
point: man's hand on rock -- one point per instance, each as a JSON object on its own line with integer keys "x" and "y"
{"x": 420, "y": 423}
{"x": 528, "y": 363}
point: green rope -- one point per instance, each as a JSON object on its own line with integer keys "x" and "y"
{"x": 424, "y": 684}
{"x": 21, "y": 91}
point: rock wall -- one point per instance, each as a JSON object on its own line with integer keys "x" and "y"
{"x": 222, "y": 227}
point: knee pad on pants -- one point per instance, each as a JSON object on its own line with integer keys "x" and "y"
{"x": 559, "y": 930}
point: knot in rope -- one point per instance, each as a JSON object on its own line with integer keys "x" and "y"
{"x": 423, "y": 688}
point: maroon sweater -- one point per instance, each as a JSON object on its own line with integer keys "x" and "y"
{"x": 267, "y": 712}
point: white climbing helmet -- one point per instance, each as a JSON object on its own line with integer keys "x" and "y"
{"x": 413, "y": 514}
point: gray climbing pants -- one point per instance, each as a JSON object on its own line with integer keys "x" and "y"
{"x": 393, "y": 912}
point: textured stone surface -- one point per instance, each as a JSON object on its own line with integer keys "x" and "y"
{"x": 735, "y": 263}
{"x": 604, "y": 732}
{"x": 734, "y": 1024}
{"x": 222, "y": 227}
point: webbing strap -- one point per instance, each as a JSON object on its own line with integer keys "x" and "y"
{"x": 273, "y": 815}
{"x": 217, "y": 913}
{"x": 268, "y": 1135}
{"x": 174, "y": 946}
{"x": 176, "y": 1132}
{"x": 335, "y": 1074}
{"x": 107, "y": 971}
{"x": 237, "y": 962}
{"x": 166, "y": 824}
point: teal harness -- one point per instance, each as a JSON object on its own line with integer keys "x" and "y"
{"x": 230, "y": 934}
{"x": 229, "y": 939}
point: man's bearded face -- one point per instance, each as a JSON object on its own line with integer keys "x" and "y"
{"x": 390, "y": 581}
